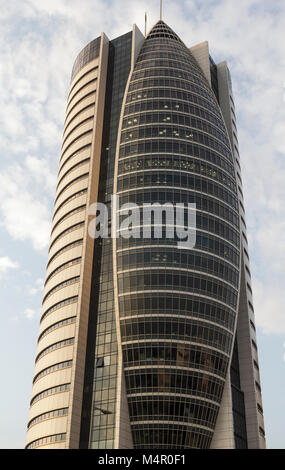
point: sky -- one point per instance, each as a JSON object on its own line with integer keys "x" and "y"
{"x": 39, "y": 42}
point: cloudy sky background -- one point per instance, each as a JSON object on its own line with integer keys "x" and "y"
{"x": 39, "y": 42}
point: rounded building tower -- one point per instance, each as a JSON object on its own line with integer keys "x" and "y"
{"x": 177, "y": 307}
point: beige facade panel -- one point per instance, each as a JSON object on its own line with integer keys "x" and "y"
{"x": 54, "y": 379}
{"x": 75, "y": 146}
{"x": 62, "y": 276}
{"x": 73, "y": 206}
{"x": 79, "y": 102}
{"x": 47, "y": 428}
{"x": 60, "y": 314}
{"x": 246, "y": 333}
{"x": 65, "y": 257}
{"x": 55, "y": 336}
{"x": 71, "y": 191}
{"x": 65, "y": 244}
{"x": 70, "y": 177}
{"x": 77, "y": 132}
{"x": 201, "y": 54}
{"x": 82, "y": 72}
{"x": 81, "y": 106}
{"x": 77, "y": 121}
{"x": 55, "y": 357}
{"x": 65, "y": 272}
{"x": 61, "y": 294}
{"x": 70, "y": 205}
{"x": 87, "y": 77}
{"x": 77, "y": 97}
{"x": 68, "y": 215}
{"x": 52, "y": 402}
{"x": 64, "y": 207}
{"x": 223, "y": 437}
{"x": 67, "y": 224}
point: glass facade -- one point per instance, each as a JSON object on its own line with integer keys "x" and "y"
{"x": 177, "y": 307}
{"x": 98, "y": 409}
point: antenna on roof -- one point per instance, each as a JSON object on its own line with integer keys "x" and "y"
{"x": 160, "y": 10}
{"x": 145, "y": 23}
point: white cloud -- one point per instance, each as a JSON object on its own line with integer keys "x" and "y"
{"x": 37, "y": 288}
{"x": 269, "y": 301}
{"x": 24, "y": 203}
{"x": 6, "y": 264}
{"x": 30, "y": 314}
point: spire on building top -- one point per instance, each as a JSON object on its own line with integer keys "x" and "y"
{"x": 160, "y": 16}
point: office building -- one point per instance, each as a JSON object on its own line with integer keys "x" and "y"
{"x": 143, "y": 344}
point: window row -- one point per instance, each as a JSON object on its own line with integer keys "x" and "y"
{"x": 47, "y": 440}
{"x": 141, "y": 85}
{"x": 66, "y": 231}
{"x": 170, "y": 110}
{"x": 180, "y": 355}
{"x": 60, "y": 304}
{"x": 80, "y": 91}
{"x": 70, "y": 198}
{"x": 179, "y": 304}
{"x": 174, "y": 196}
{"x": 204, "y": 242}
{"x": 168, "y": 132}
{"x": 80, "y": 102}
{"x": 66, "y": 283}
{"x": 180, "y": 180}
{"x": 50, "y": 391}
{"x": 165, "y": 62}
{"x": 175, "y": 163}
{"x": 76, "y": 139}
{"x": 53, "y": 347}
{"x": 154, "y": 48}
{"x": 177, "y": 258}
{"x": 81, "y": 111}
{"x": 176, "y": 94}
{"x": 66, "y": 248}
{"x": 81, "y": 78}
{"x": 69, "y": 214}
{"x": 165, "y": 72}
{"x": 75, "y": 180}
{"x": 74, "y": 154}
{"x": 54, "y": 368}
{"x": 172, "y": 144}
{"x": 77, "y": 165}
{"x": 177, "y": 147}
{"x": 55, "y": 326}
{"x": 170, "y": 436}
{"x": 174, "y": 381}
{"x": 48, "y": 415}
{"x": 179, "y": 409}
{"x": 140, "y": 230}
{"x": 68, "y": 264}
{"x": 183, "y": 123}
{"x": 147, "y": 54}
{"x": 188, "y": 330}
{"x": 189, "y": 282}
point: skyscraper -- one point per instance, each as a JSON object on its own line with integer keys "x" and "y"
{"x": 144, "y": 344}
